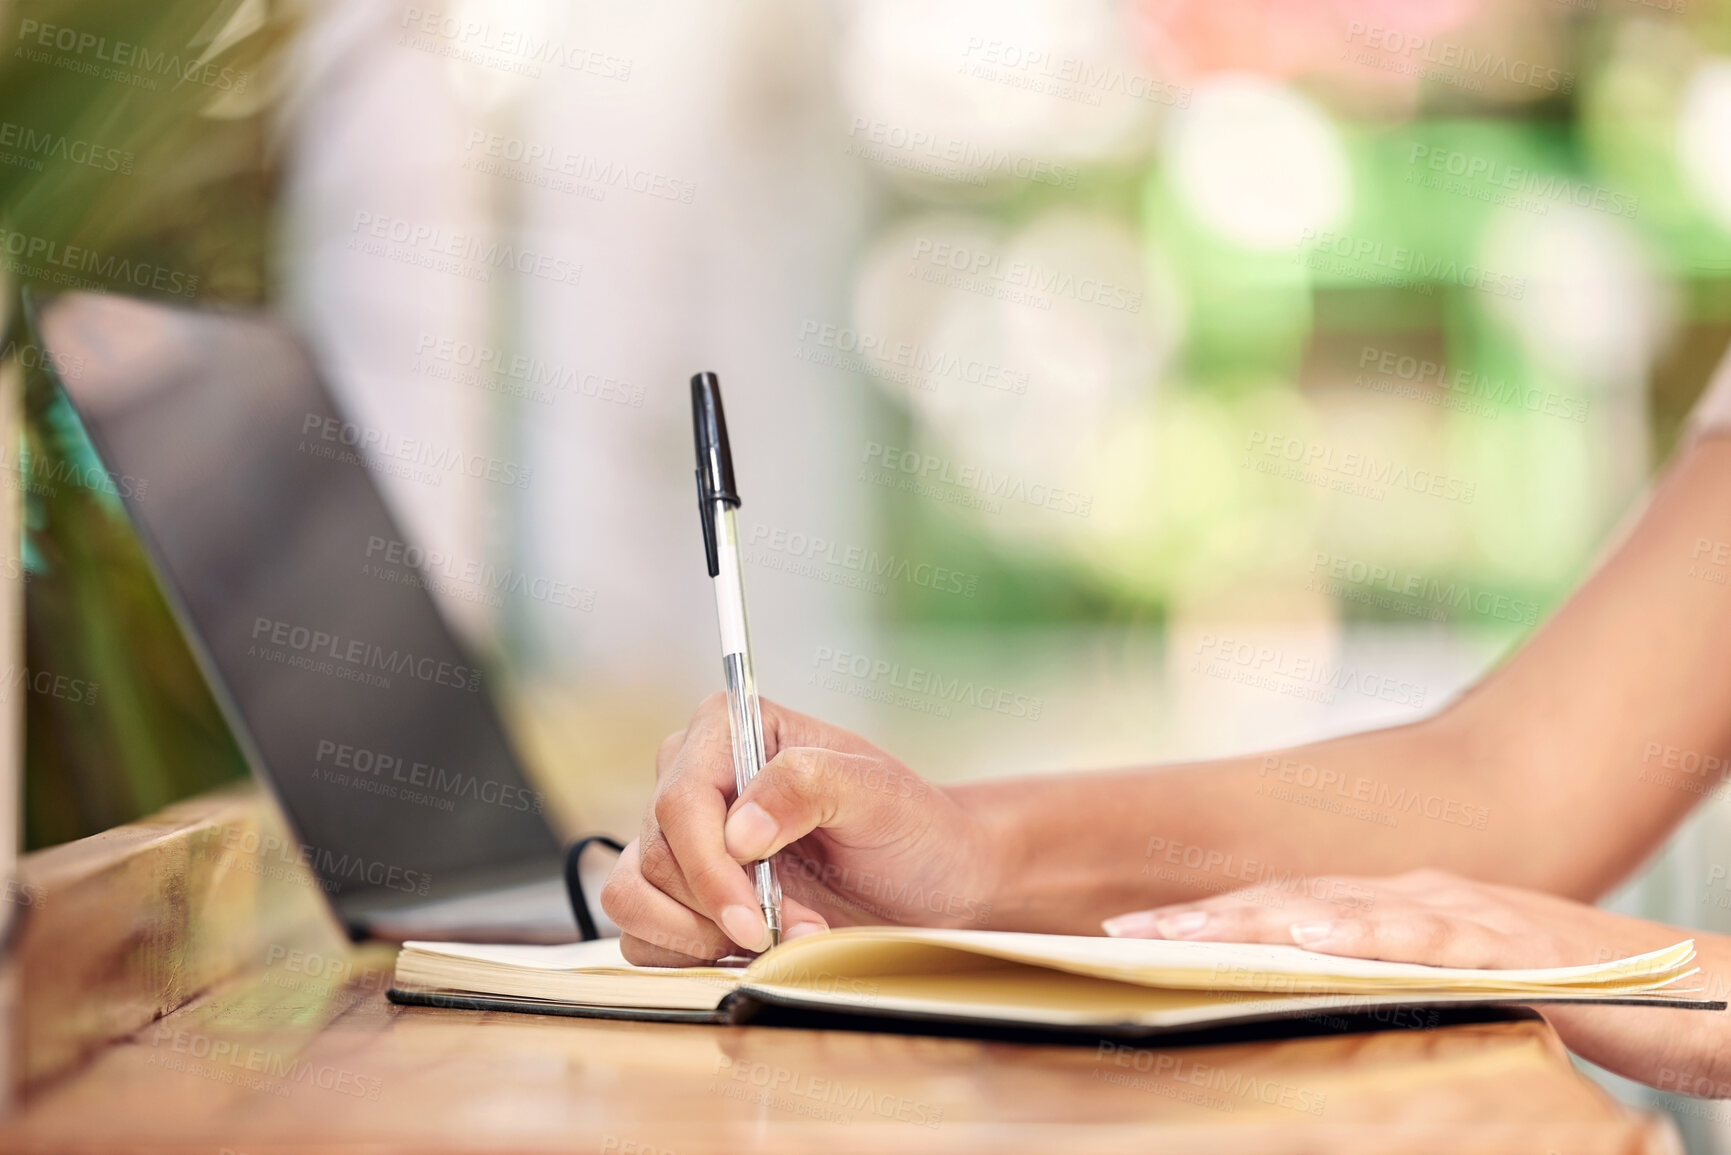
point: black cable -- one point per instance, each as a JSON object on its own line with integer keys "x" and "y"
{"x": 574, "y": 882}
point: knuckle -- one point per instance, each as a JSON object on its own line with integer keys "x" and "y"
{"x": 710, "y": 881}
{"x": 619, "y": 898}
{"x": 1437, "y": 931}
{"x": 777, "y": 719}
{"x": 668, "y": 807}
{"x": 656, "y": 863}
{"x": 668, "y": 750}
{"x": 1429, "y": 933}
{"x": 800, "y": 769}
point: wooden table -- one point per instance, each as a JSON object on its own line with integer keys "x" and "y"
{"x": 299, "y": 1051}
{"x": 262, "y": 1067}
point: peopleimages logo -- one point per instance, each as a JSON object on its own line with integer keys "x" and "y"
{"x": 862, "y": 566}
{"x": 406, "y": 774}
{"x": 44, "y": 475}
{"x": 1372, "y": 792}
{"x": 410, "y": 565}
{"x": 939, "y": 154}
{"x": 36, "y": 145}
{"x": 470, "y": 363}
{"x": 76, "y": 691}
{"x": 817, "y": 1098}
{"x": 1223, "y": 870}
{"x": 930, "y": 469}
{"x": 1451, "y": 61}
{"x": 1356, "y": 471}
{"x": 1348, "y": 578}
{"x": 1299, "y": 676}
{"x": 252, "y": 1068}
{"x": 1367, "y": 255}
{"x": 528, "y": 161}
{"x": 978, "y": 270}
{"x": 259, "y": 850}
{"x": 359, "y": 657}
{"x": 1233, "y": 1087}
{"x": 908, "y": 362}
{"x": 1463, "y": 384}
{"x": 1063, "y": 76}
{"x": 95, "y": 51}
{"x": 68, "y": 365}
{"x": 930, "y": 683}
{"x": 50, "y": 260}
{"x": 444, "y": 251}
{"x": 445, "y": 34}
{"x": 413, "y": 451}
{"x": 1545, "y": 186}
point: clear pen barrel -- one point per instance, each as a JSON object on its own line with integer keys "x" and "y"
{"x": 742, "y": 705}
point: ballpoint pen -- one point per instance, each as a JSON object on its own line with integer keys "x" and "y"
{"x": 717, "y": 498}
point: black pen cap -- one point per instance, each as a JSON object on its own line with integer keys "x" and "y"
{"x": 714, "y": 455}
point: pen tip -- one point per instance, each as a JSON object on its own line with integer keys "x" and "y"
{"x": 772, "y": 920}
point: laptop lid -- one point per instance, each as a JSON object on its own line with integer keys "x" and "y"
{"x": 354, "y": 701}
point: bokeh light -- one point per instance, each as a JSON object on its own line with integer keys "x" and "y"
{"x": 1704, "y": 138}
{"x": 1257, "y": 163}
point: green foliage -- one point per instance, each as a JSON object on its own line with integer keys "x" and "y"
{"x": 133, "y": 159}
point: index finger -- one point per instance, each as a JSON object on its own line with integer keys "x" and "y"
{"x": 691, "y": 809}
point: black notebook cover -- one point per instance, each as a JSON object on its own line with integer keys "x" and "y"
{"x": 759, "y": 1009}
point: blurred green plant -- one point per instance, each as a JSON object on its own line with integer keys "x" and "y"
{"x": 135, "y": 159}
{"x": 119, "y": 721}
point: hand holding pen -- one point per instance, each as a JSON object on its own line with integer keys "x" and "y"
{"x": 867, "y": 838}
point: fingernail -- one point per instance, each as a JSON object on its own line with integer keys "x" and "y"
{"x": 1136, "y": 924}
{"x": 1311, "y": 933}
{"x": 1182, "y": 925}
{"x": 749, "y": 832}
{"x": 801, "y": 929}
{"x": 746, "y": 927}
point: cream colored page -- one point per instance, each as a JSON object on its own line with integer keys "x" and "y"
{"x": 566, "y": 956}
{"x": 602, "y": 954}
{"x": 589, "y": 974}
{"x": 842, "y": 960}
{"x": 1012, "y": 992}
{"x": 885, "y": 976}
{"x": 1189, "y": 965}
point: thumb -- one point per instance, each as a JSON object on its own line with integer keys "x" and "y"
{"x": 806, "y": 788}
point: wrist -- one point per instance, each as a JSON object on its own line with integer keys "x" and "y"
{"x": 995, "y": 840}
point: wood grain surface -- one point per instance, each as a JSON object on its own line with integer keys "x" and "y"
{"x": 184, "y": 990}
{"x": 306, "y": 1055}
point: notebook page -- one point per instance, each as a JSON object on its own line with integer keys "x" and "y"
{"x": 602, "y": 954}
{"x": 1221, "y": 966}
{"x": 580, "y": 974}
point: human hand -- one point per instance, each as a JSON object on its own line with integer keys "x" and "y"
{"x": 1436, "y": 918}
{"x": 861, "y": 839}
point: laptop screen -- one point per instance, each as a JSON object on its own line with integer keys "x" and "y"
{"x": 309, "y": 610}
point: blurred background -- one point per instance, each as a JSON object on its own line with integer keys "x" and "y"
{"x": 1109, "y": 382}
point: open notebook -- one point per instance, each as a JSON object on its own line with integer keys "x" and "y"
{"x": 1097, "y": 985}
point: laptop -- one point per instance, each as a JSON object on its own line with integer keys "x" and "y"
{"x": 310, "y": 614}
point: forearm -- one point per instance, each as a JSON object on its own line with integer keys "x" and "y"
{"x": 1072, "y": 850}
{"x": 1552, "y": 773}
